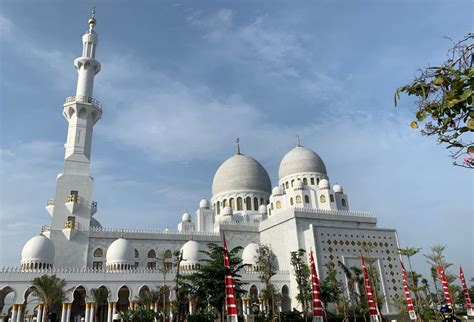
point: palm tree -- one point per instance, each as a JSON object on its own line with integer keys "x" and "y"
{"x": 409, "y": 252}
{"x": 50, "y": 289}
{"x": 100, "y": 296}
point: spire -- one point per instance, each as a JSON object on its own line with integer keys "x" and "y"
{"x": 92, "y": 20}
{"x": 237, "y": 141}
{"x": 298, "y": 142}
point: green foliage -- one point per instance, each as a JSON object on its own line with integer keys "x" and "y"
{"x": 302, "y": 274}
{"x": 140, "y": 314}
{"x": 331, "y": 288}
{"x": 445, "y": 101}
{"x": 50, "y": 289}
{"x": 207, "y": 284}
{"x": 202, "y": 315}
{"x": 266, "y": 266}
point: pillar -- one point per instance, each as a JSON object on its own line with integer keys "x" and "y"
{"x": 14, "y": 312}
{"x": 191, "y": 307}
{"x": 68, "y": 312}
{"x": 92, "y": 317}
{"x": 21, "y": 313}
{"x": 87, "y": 314}
{"x": 245, "y": 303}
{"x": 110, "y": 312}
{"x": 63, "y": 312}
{"x": 39, "y": 314}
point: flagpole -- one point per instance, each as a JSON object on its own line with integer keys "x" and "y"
{"x": 467, "y": 298}
{"x": 411, "y": 309}
{"x": 318, "y": 307}
{"x": 373, "y": 309}
{"x": 229, "y": 287}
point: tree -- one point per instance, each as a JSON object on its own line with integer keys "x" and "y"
{"x": 100, "y": 296}
{"x": 181, "y": 288}
{"x": 164, "y": 268}
{"x": 445, "y": 101}
{"x": 437, "y": 257}
{"x": 409, "y": 252}
{"x": 302, "y": 275}
{"x": 266, "y": 266}
{"x": 331, "y": 288}
{"x": 50, "y": 289}
{"x": 207, "y": 284}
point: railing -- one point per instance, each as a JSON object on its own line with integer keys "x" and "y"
{"x": 84, "y": 99}
{"x": 45, "y": 228}
{"x": 73, "y": 198}
{"x": 50, "y": 202}
{"x": 94, "y": 205}
{"x": 71, "y": 224}
{"x": 153, "y": 231}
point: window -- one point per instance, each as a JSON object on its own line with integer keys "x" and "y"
{"x": 262, "y": 201}
{"x": 168, "y": 256}
{"x": 224, "y": 203}
{"x": 317, "y": 181}
{"x": 98, "y": 252}
{"x": 292, "y": 181}
{"x": 255, "y": 203}
{"x": 306, "y": 199}
{"x": 305, "y": 181}
{"x": 298, "y": 199}
{"x": 287, "y": 185}
{"x": 218, "y": 207}
{"x": 278, "y": 205}
{"x": 343, "y": 202}
{"x": 271, "y": 206}
{"x": 312, "y": 181}
{"x": 136, "y": 253}
{"x": 322, "y": 198}
{"x": 151, "y": 254}
{"x": 232, "y": 203}
{"x": 97, "y": 265}
{"x": 136, "y": 264}
{"x": 151, "y": 265}
{"x": 331, "y": 198}
{"x": 291, "y": 201}
{"x": 239, "y": 203}
{"x": 248, "y": 203}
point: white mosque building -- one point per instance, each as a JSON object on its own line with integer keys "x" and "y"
{"x": 302, "y": 211}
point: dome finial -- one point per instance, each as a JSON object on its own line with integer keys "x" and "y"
{"x": 298, "y": 142}
{"x": 121, "y": 233}
{"x": 237, "y": 141}
{"x": 92, "y": 20}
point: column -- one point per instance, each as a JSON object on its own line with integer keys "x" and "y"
{"x": 109, "y": 312}
{"x": 245, "y": 306}
{"x": 68, "y": 312}
{"x": 39, "y": 314}
{"x": 87, "y": 314}
{"x": 21, "y": 313}
{"x": 63, "y": 312}
{"x": 191, "y": 307}
{"x": 14, "y": 312}
{"x": 92, "y": 317}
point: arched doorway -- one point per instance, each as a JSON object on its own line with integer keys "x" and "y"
{"x": 285, "y": 299}
{"x": 7, "y": 295}
{"x": 31, "y": 303}
{"x": 253, "y": 300}
{"x": 123, "y": 299}
{"x": 100, "y": 296}
{"x": 78, "y": 308}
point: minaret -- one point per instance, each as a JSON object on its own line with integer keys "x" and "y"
{"x": 72, "y": 207}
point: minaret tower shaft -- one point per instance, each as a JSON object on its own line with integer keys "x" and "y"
{"x": 72, "y": 207}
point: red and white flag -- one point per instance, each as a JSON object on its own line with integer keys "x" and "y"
{"x": 411, "y": 309}
{"x": 444, "y": 284}
{"x": 229, "y": 287}
{"x": 467, "y": 298}
{"x": 373, "y": 309}
{"x": 318, "y": 308}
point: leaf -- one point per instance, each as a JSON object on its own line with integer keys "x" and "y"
{"x": 465, "y": 94}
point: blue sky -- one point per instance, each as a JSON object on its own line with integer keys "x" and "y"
{"x": 181, "y": 80}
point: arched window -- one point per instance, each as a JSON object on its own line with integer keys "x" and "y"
{"x": 291, "y": 201}
{"x": 292, "y": 181}
{"x": 98, "y": 252}
{"x": 239, "y": 203}
{"x": 248, "y": 203}
{"x": 151, "y": 253}
{"x": 255, "y": 203}
{"x": 218, "y": 207}
{"x": 322, "y": 198}
{"x": 312, "y": 181}
{"x": 306, "y": 199}
{"x": 343, "y": 201}
{"x": 287, "y": 185}
{"x": 278, "y": 205}
{"x": 298, "y": 199}
{"x": 331, "y": 198}
{"x": 232, "y": 203}
{"x": 224, "y": 203}
{"x": 271, "y": 205}
{"x": 168, "y": 257}
{"x": 317, "y": 181}
{"x": 305, "y": 181}
{"x": 136, "y": 253}
{"x": 262, "y": 201}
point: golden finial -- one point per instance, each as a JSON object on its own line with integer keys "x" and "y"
{"x": 121, "y": 233}
{"x": 298, "y": 142}
{"x": 92, "y": 20}
{"x": 238, "y": 145}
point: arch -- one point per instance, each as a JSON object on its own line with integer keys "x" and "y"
{"x": 287, "y": 185}
{"x": 232, "y": 203}
{"x": 317, "y": 180}
{"x": 82, "y": 112}
{"x": 248, "y": 203}
{"x": 123, "y": 300}
{"x": 168, "y": 257}
{"x": 285, "y": 299}
{"x": 137, "y": 254}
{"x": 151, "y": 254}
{"x": 312, "y": 181}
{"x": 298, "y": 199}
{"x": 305, "y": 181}
{"x": 291, "y": 201}
{"x": 218, "y": 208}
{"x": 78, "y": 308}
{"x": 239, "y": 203}
{"x": 253, "y": 298}
{"x": 306, "y": 199}
{"x": 255, "y": 203}
{"x": 98, "y": 252}
{"x": 292, "y": 182}
{"x": 102, "y": 303}
{"x": 224, "y": 203}
{"x": 271, "y": 206}
{"x": 7, "y": 294}
{"x": 343, "y": 202}
{"x": 331, "y": 198}
{"x": 322, "y": 198}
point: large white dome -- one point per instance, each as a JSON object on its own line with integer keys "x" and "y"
{"x": 300, "y": 160}
{"x": 240, "y": 173}
{"x": 38, "y": 249}
{"x": 120, "y": 253}
{"x": 250, "y": 254}
{"x": 191, "y": 253}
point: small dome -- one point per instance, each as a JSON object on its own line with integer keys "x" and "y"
{"x": 186, "y": 217}
{"x": 227, "y": 211}
{"x": 301, "y": 160}
{"x": 191, "y": 251}
{"x": 120, "y": 252}
{"x": 250, "y": 254}
{"x": 204, "y": 204}
{"x": 337, "y": 188}
{"x": 262, "y": 209}
{"x": 323, "y": 184}
{"x": 38, "y": 249}
{"x": 95, "y": 223}
{"x": 277, "y": 191}
{"x": 241, "y": 173}
{"x": 298, "y": 185}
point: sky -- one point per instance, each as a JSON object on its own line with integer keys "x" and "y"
{"x": 181, "y": 80}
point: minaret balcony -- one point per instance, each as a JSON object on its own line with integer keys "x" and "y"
{"x": 93, "y": 208}
{"x": 73, "y": 202}
{"x": 84, "y": 99}
{"x": 50, "y": 206}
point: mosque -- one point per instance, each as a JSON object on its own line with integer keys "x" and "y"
{"x": 302, "y": 211}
